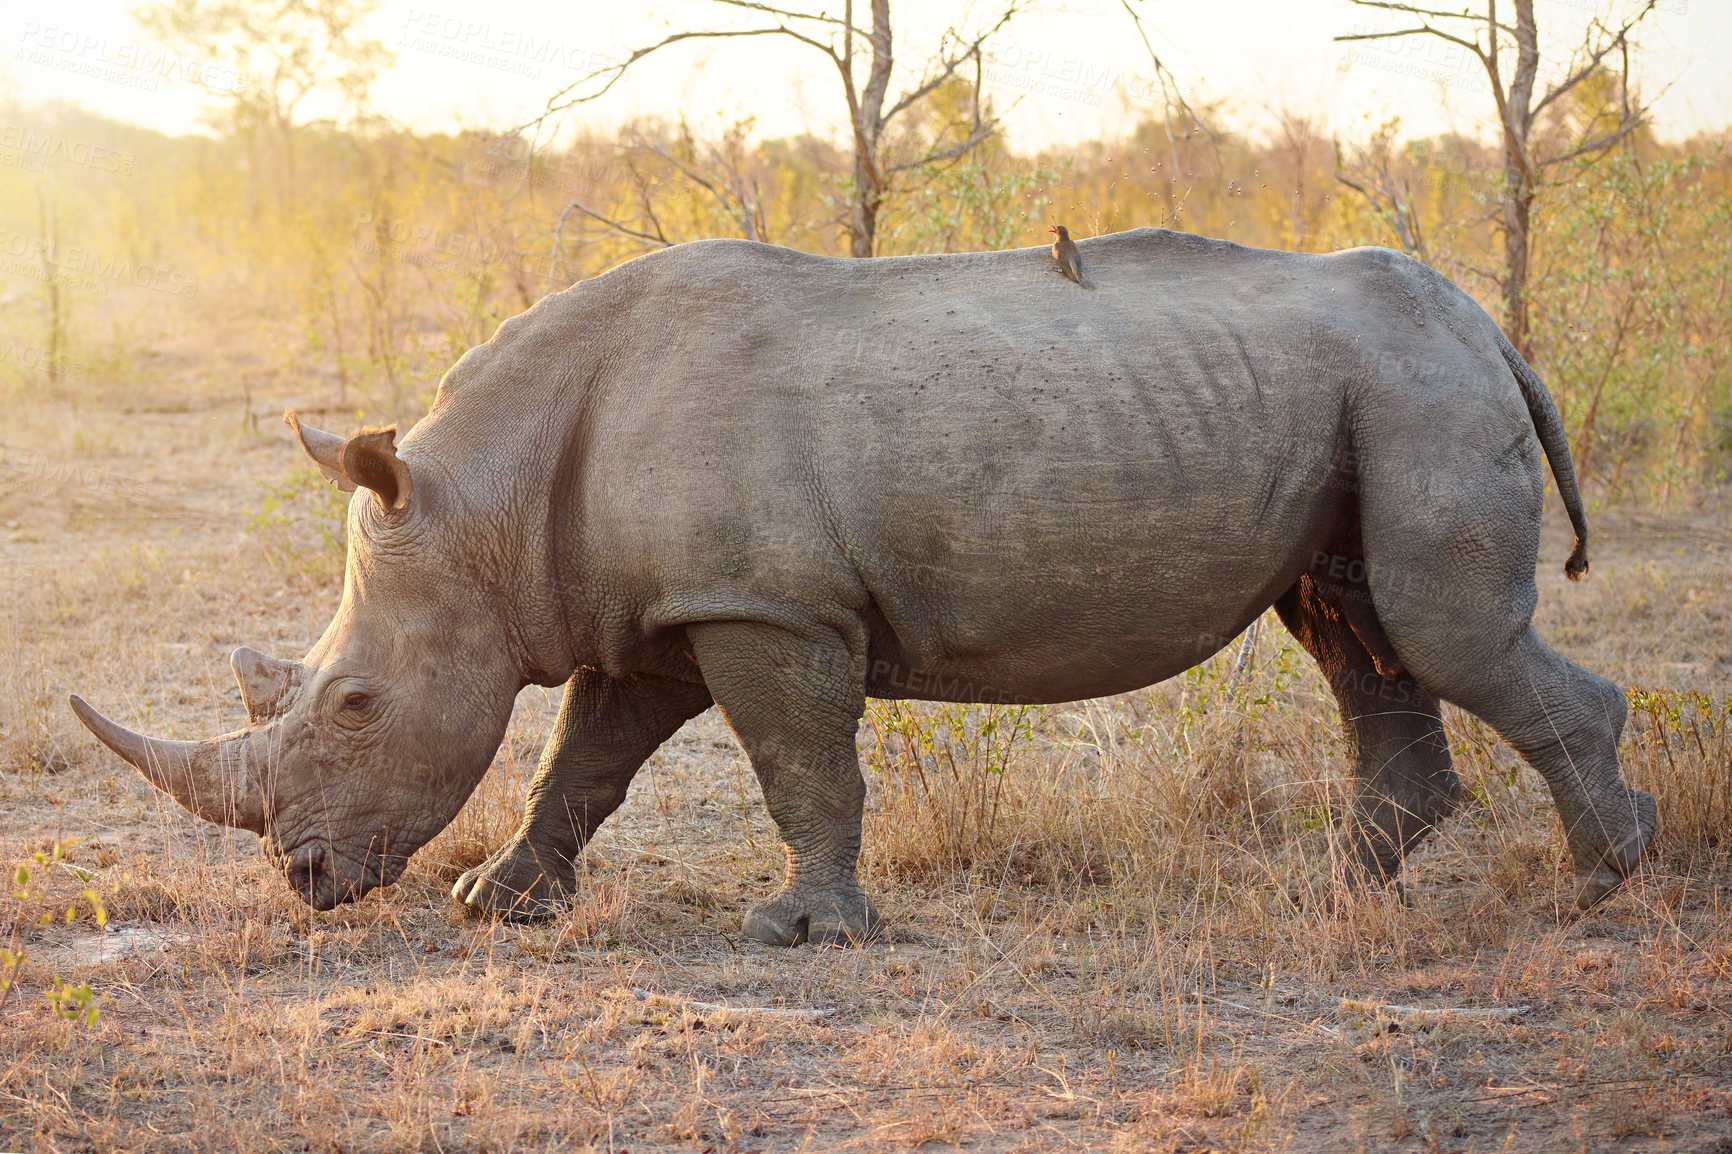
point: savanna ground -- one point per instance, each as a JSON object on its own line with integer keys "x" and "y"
{"x": 1114, "y": 923}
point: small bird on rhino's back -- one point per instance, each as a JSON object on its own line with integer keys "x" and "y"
{"x": 1065, "y": 253}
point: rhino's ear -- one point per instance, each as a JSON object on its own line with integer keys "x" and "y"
{"x": 326, "y": 450}
{"x": 370, "y": 460}
{"x": 367, "y": 460}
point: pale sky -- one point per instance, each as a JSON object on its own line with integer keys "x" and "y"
{"x": 1064, "y": 70}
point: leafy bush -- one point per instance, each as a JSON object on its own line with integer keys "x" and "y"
{"x": 30, "y": 907}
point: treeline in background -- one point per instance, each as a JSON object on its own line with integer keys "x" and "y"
{"x": 351, "y": 263}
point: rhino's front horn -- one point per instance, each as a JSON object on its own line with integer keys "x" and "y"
{"x": 212, "y": 779}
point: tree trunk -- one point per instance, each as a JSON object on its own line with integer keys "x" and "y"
{"x": 863, "y": 213}
{"x": 1519, "y": 176}
{"x": 1517, "y": 208}
{"x": 868, "y": 124}
{"x": 48, "y": 233}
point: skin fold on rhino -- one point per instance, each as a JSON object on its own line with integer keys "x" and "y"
{"x": 733, "y": 474}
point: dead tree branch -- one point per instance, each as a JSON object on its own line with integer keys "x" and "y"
{"x": 1513, "y": 93}
{"x": 851, "y": 50}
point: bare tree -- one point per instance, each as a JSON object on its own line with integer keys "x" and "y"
{"x": 270, "y": 55}
{"x": 1603, "y": 55}
{"x": 719, "y": 173}
{"x": 54, "y": 301}
{"x": 864, "y": 62}
{"x": 1172, "y": 97}
{"x": 1373, "y": 172}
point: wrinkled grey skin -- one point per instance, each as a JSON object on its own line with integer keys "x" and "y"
{"x": 734, "y": 474}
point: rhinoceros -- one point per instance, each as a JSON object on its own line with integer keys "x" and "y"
{"x": 737, "y": 475}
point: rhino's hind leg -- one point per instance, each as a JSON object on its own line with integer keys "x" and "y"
{"x": 607, "y": 727}
{"x": 1451, "y": 537}
{"x": 1404, "y": 784}
{"x": 795, "y": 704}
{"x": 1566, "y": 722}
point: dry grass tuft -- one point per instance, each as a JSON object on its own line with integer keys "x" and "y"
{"x": 1178, "y": 790}
{"x": 1679, "y": 747}
{"x": 486, "y": 821}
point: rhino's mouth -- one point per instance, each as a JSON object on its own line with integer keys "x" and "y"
{"x": 324, "y": 880}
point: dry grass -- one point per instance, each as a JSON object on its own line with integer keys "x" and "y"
{"x": 1116, "y": 924}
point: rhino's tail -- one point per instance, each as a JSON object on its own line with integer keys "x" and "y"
{"x": 1550, "y": 428}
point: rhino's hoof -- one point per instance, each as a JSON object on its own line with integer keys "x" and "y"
{"x": 512, "y": 884}
{"x": 1618, "y": 863}
{"x": 1596, "y": 886}
{"x": 829, "y": 919}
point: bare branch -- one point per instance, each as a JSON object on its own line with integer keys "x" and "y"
{"x": 720, "y": 176}
{"x": 1389, "y": 196}
{"x": 1624, "y": 111}
{"x": 685, "y": 170}
{"x": 554, "y": 105}
{"x": 1163, "y": 75}
{"x": 1411, "y": 10}
{"x": 980, "y": 134}
{"x": 1598, "y": 144}
{"x": 739, "y": 207}
{"x": 1359, "y": 188}
{"x": 1392, "y": 212}
{"x": 1617, "y": 41}
{"x": 1563, "y": 87}
{"x": 1517, "y": 111}
{"x": 980, "y": 127}
{"x": 845, "y": 64}
{"x": 1414, "y": 10}
{"x": 558, "y": 236}
{"x": 948, "y": 65}
{"x": 787, "y": 14}
{"x": 1499, "y": 94}
{"x": 1422, "y": 30}
{"x": 1489, "y": 274}
{"x": 657, "y": 238}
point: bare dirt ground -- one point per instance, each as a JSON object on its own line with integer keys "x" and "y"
{"x": 1114, "y": 923}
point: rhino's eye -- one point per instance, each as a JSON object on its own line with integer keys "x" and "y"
{"x": 357, "y": 702}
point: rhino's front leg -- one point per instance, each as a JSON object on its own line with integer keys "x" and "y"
{"x": 607, "y": 727}
{"x": 795, "y": 703}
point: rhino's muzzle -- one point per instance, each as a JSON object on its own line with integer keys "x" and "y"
{"x": 221, "y": 780}
{"x": 309, "y": 875}
{"x": 325, "y": 881}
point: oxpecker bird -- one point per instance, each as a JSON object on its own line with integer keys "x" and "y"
{"x": 1065, "y": 253}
